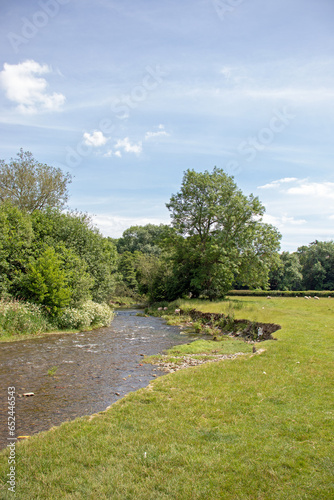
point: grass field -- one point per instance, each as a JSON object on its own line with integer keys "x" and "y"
{"x": 255, "y": 427}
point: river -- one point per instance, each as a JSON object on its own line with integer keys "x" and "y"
{"x": 88, "y": 371}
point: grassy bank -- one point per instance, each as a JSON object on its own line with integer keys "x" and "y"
{"x": 254, "y": 427}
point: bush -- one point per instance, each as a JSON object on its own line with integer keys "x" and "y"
{"x": 88, "y": 315}
{"x": 22, "y": 318}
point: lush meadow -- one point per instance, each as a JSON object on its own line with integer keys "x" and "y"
{"x": 256, "y": 427}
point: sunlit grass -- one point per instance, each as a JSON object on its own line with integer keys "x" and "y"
{"x": 201, "y": 349}
{"x": 256, "y": 427}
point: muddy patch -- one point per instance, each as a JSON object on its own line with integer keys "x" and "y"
{"x": 249, "y": 330}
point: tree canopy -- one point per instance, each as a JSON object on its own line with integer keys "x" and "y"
{"x": 54, "y": 258}
{"x": 31, "y": 185}
{"x": 219, "y": 235}
{"x": 145, "y": 239}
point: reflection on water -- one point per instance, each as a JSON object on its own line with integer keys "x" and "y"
{"x": 91, "y": 368}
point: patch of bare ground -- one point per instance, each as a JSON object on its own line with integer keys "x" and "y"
{"x": 194, "y": 360}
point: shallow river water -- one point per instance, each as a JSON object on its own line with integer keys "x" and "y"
{"x": 94, "y": 369}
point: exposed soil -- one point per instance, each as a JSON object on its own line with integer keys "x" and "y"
{"x": 249, "y": 330}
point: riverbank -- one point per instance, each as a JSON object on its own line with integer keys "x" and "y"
{"x": 69, "y": 376}
{"x": 41, "y": 326}
{"x": 247, "y": 428}
{"x": 22, "y": 320}
{"x": 29, "y": 336}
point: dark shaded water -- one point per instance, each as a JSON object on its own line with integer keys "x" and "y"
{"x": 92, "y": 368}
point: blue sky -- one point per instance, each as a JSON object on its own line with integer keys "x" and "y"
{"x": 127, "y": 95}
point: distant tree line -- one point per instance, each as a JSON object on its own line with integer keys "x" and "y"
{"x": 309, "y": 268}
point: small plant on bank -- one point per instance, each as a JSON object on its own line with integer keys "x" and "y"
{"x": 197, "y": 326}
{"x": 52, "y": 371}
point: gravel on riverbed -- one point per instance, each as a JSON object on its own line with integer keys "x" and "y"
{"x": 189, "y": 360}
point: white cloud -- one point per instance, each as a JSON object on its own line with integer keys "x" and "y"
{"x": 269, "y": 186}
{"x": 127, "y": 147}
{"x": 287, "y": 179}
{"x": 276, "y": 184}
{"x": 160, "y": 133}
{"x": 108, "y": 154}
{"x": 303, "y": 187}
{"x": 23, "y": 87}
{"x": 314, "y": 189}
{"x": 95, "y": 139}
{"x": 283, "y": 221}
{"x": 303, "y": 211}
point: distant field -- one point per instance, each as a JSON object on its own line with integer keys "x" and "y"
{"x": 255, "y": 427}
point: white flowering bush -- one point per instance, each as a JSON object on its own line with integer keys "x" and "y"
{"x": 18, "y": 317}
{"x": 89, "y": 314}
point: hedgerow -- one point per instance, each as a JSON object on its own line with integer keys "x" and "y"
{"x": 278, "y": 293}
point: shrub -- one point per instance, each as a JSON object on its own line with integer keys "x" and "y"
{"x": 89, "y": 314}
{"x": 22, "y": 318}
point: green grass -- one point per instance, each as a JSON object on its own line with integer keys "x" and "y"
{"x": 201, "y": 349}
{"x": 253, "y": 428}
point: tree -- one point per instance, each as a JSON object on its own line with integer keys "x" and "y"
{"x": 286, "y": 275}
{"x": 46, "y": 281}
{"x": 16, "y": 236}
{"x": 78, "y": 278}
{"x": 127, "y": 269}
{"x": 145, "y": 239}
{"x": 30, "y": 185}
{"x": 317, "y": 262}
{"x": 76, "y": 231}
{"x": 219, "y": 235}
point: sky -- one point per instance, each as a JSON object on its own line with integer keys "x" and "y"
{"x": 127, "y": 95}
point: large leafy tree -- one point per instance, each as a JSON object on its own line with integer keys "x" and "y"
{"x": 219, "y": 235}
{"x": 31, "y": 185}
